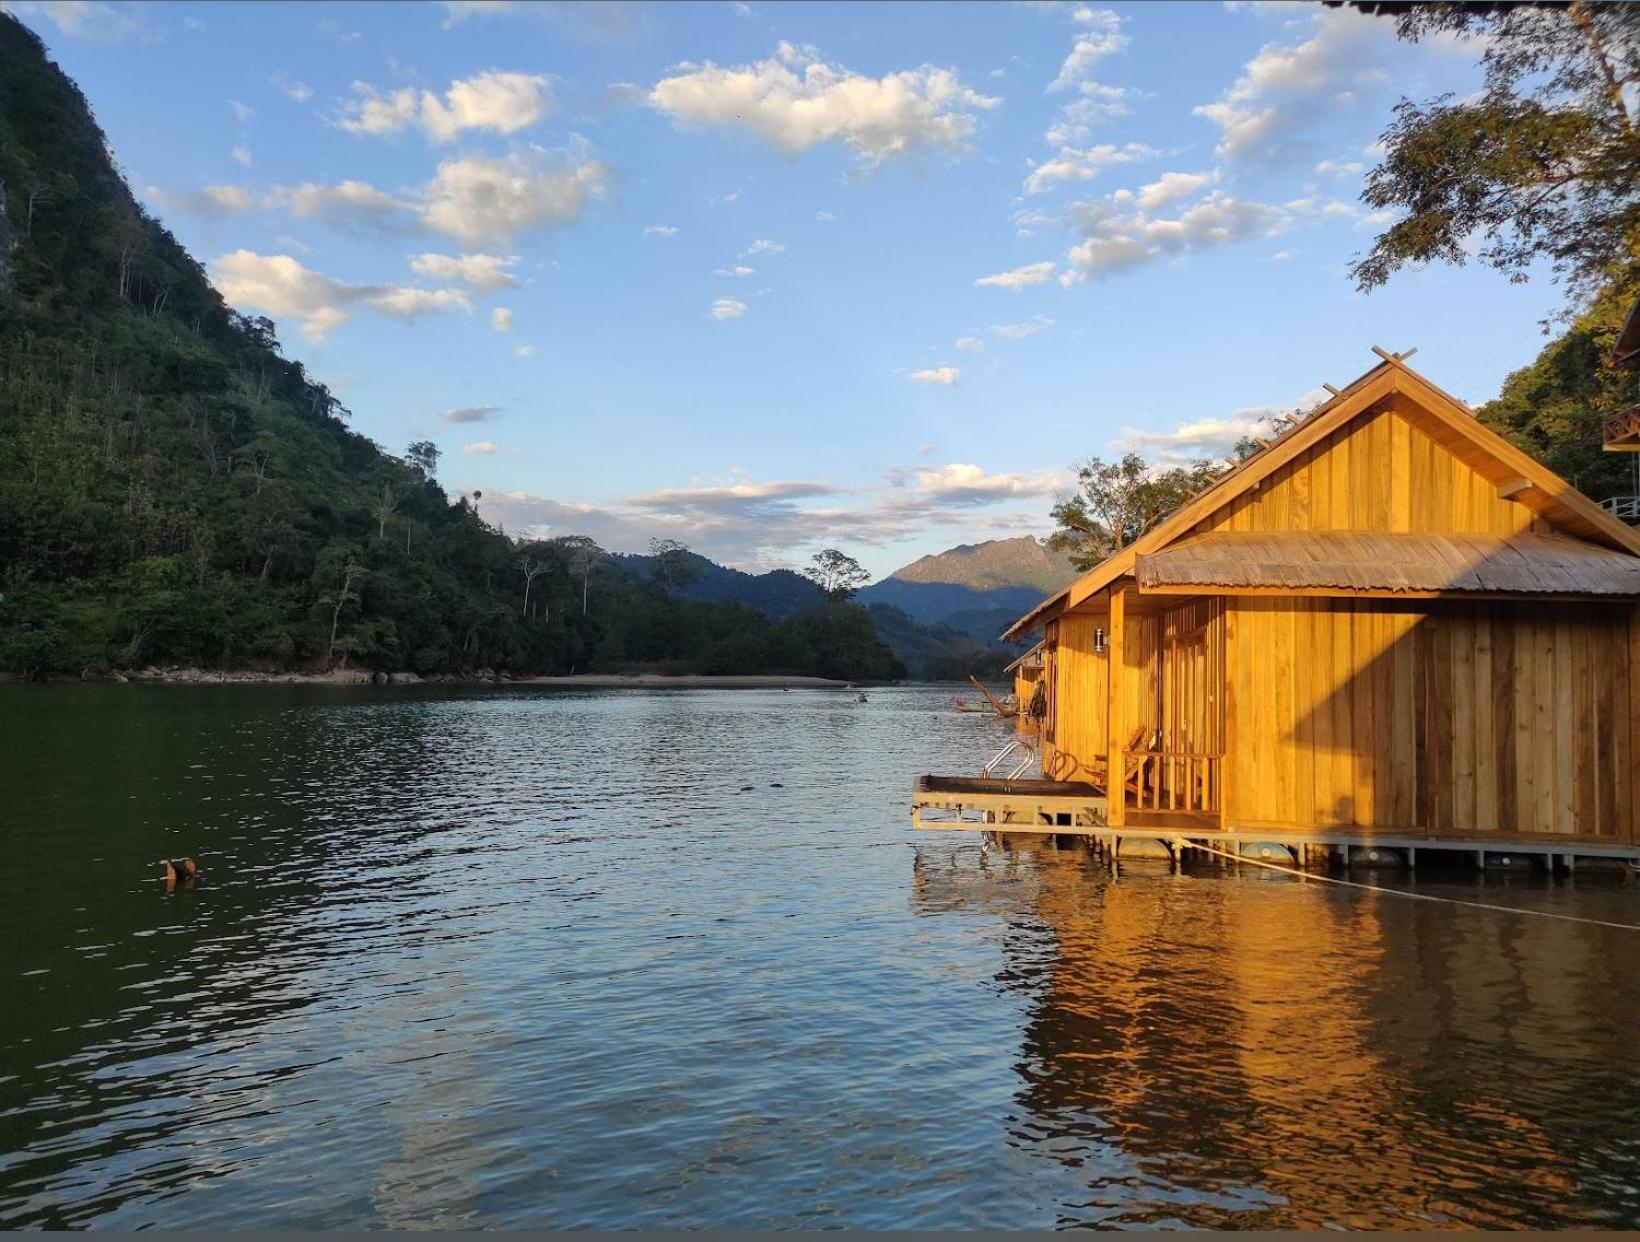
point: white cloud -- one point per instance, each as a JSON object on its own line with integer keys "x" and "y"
{"x": 970, "y": 344}
{"x": 503, "y": 103}
{"x": 1102, "y": 37}
{"x": 1340, "y": 168}
{"x": 242, "y": 155}
{"x": 282, "y": 286}
{"x": 1081, "y": 164}
{"x": 1095, "y": 103}
{"x": 826, "y": 217}
{"x": 81, "y": 19}
{"x": 481, "y": 200}
{"x": 1170, "y": 187}
{"x": 1281, "y": 86}
{"x": 213, "y": 202}
{"x": 762, "y": 246}
{"x": 525, "y": 351}
{"x": 347, "y": 203}
{"x": 479, "y": 448}
{"x": 1020, "y": 277}
{"x": 479, "y": 271}
{"x": 501, "y": 319}
{"x": 1119, "y": 236}
{"x": 964, "y": 483}
{"x": 601, "y": 20}
{"x": 243, "y": 112}
{"x": 944, "y": 376}
{"x": 738, "y": 270}
{"x": 469, "y": 414}
{"x": 797, "y": 101}
{"x": 728, "y": 308}
{"x": 660, "y": 230}
{"x": 301, "y": 92}
{"x": 1211, "y": 437}
{"x": 1019, "y": 331}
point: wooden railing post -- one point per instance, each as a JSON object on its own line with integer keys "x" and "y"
{"x": 1115, "y": 716}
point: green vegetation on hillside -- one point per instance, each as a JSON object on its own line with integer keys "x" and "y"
{"x": 174, "y": 490}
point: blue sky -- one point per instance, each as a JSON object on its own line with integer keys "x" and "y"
{"x": 772, "y": 277}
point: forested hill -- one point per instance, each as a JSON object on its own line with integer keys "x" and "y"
{"x": 174, "y": 490}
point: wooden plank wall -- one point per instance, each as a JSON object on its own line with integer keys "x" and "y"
{"x": 1379, "y": 473}
{"x": 1078, "y": 698}
{"x": 1455, "y": 720}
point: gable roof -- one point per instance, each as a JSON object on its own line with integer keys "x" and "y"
{"x": 1456, "y": 428}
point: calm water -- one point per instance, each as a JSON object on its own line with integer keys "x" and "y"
{"x": 537, "y": 958}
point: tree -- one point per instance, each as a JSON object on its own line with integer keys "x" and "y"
{"x": 837, "y": 574}
{"x": 423, "y": 456}
{"x": 1545, "y": 161}
{"x": 582, "y": 555}
{"x": 351, "y": 572}
{"x": 1117, "y": 502}
{"x": 532, "y": 567}
{"x": 671, "y": 564}
{"x": 385, "y": 504}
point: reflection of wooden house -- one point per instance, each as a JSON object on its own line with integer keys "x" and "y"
{"x": 1390, "y": 624}
{"x": 1027, "y": 671}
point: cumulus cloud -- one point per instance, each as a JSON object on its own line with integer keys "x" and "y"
{"x": 501, "y": 319}
{"x": 487, "y": 272}
{"x": 728, "y": 308}
{"x": 1280, "y": 86}
{"x": 1095, "y": 104}
{"x": 762, "y": 246}
{"x": 1211, "y": 437}
{"x": 483, "y": 200}
{"x": 1073, "y": 164}
{"x": 347, "y": 204}
{"x": 971, "y": 344}
{"x": 242, "y": 112}
{"x": 469, "y": 414}
{"x": 1019, "y": 331}
{"x": 796, "y": 101}
{"x": 945, "y": 376}
{"x": 281, "y": 286}
{"x": 525, "y": 351}
{"x": 502, "y": 103}
{"x": 1120, "y": 235}
{"x": 1101, "y": 34}
{"x": 1020, "y": 277}
{"x": 479, "y": 448}
{"x": 301, "y": 92}
{"x": 660, "y": 230}
{"x": 212, "y": 203}
{"x": 738, "y": 270}
{"x": 967, "y": 484}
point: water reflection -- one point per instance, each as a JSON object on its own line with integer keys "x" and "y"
{"x": 598, "y": 960}
{"x": 1225, "y": 1050}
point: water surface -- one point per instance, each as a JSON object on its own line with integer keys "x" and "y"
{"x": 599, "y": 959}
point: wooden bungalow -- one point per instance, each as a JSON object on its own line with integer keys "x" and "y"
{"x": 1027, "y": 671}
{"x": 1390, "y": 625}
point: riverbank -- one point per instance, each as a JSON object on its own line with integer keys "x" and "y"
{"x": 480, "y": 677}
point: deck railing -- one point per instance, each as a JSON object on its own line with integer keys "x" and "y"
{"x": 1167, "y": 780}
{"x": 1626, "y": 508}
{"x": 1623, "y": 430}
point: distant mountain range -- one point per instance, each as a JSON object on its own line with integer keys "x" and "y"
{"x": 941, "y": 614}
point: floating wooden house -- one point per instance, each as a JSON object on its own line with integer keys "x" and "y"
{"x": 1027, "y": 671}
{"x": 1389, "y": 626}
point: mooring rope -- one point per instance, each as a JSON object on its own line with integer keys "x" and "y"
{"x": 1400, "y": 892}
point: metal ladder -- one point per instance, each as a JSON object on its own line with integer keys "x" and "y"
{"x": 1024, "y": 766}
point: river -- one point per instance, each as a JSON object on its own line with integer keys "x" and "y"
{"x": 528, "y": 957}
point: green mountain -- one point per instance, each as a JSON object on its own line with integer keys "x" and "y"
{"x": 173, "y": 489}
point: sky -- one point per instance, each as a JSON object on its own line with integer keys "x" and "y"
{"x": 768, "y": 278}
